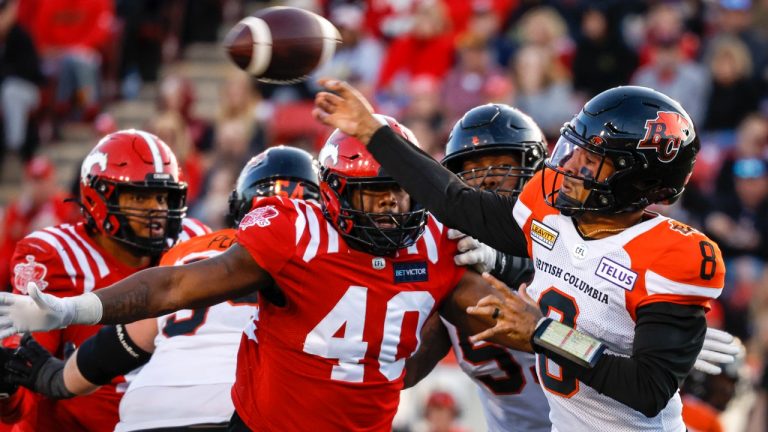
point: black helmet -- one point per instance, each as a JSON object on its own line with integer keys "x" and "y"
{"x": 496, "y": 129}
{"x": 646, "y": 136}
{"x": 281, "y": 170}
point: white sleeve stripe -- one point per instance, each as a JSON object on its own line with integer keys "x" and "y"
{"x": 301, "y": 221}
{"x": 183, "y": 236}
{"x": 438, "y": 224}
{"x": 51, "y": 240}
{"x": 85, "y": 266}
{"x": 314, "y": 235}
{"x": 157, "y": 160}
{"x": 657, "y": 284}
{"x": 333, "y": 238}
{"x": 414, "y": 248}
{"x": 100, "y": 263}
{"x": 521, "y": 213}
{"x": 192, "y": 226}
{"x": 429, "y": 241}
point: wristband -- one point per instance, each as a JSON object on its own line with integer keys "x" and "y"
{"x": 567, "y": 342}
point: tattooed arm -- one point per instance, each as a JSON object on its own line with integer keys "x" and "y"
{"x": 162, "y": 290}
{"x": 148, "y": 293}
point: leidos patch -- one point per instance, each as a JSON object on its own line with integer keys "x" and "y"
{"x": 410, "y": 272}
{"x": 543, "y": 234}
{"x": 616, "y": 274}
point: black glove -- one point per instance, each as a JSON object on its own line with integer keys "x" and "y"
{"x": 6, "y": 387}
{"x": 33, "y": 367}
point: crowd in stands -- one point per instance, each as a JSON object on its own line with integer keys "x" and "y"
{"x": 424, "y": 62}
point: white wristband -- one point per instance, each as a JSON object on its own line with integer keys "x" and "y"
{"x": 88, "y": 308}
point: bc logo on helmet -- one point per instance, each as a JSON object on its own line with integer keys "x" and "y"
{"x": 665, "y": 134}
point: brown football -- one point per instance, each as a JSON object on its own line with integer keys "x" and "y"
{"x": 281, "y": 44}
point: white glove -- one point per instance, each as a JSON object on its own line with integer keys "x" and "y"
{"x": 719, "y": 348}
{"x": 472, "y": 252}
{"x": 42, "y": 312}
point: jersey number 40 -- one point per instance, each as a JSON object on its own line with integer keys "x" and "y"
{"x": 340, "y": 334}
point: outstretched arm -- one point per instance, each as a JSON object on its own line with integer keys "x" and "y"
{"x": 435, "y": 344}
{"x": 484, "y": 215}
{"x": 146, "y": 294}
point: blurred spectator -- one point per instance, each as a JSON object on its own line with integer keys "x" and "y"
{"x": 177, "y": 94}
{"x": 40, "y": 204}
{"x": 440, "y": 414}
{"x": 602, "y": 58}
{"x": 70, "y": 35}
{"x": 240, "y": 102}
{"x": 733, "y": 17}
{"x": 170, "y": 127}
{"x": 485, "y": 19}
{"x": 212, "y": 207}
{"x": 358, "y": 58}
{"x": 665, "y": 22}
{"x": 429, "y": 138}
{"x": 739, "y": 221}
{"x": 426, "y": 50}
{"x": 733, "y": 94}
{"x": 20, "y": 76}
{"x": 545, "y": 28}
{"x": 751, "y": 142}
{"x": 542, "y": 92}
{"x": 670, "y": 73}
{"x": 424, "y": 103}
{"x": 464, "y": 86}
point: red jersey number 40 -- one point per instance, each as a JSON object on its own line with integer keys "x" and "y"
{"x": 350, "y": 348}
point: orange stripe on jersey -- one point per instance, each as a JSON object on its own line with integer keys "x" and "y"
{"x": 676, "y": 264}
{"x": 195, "y": 248}
{"x": 532, "y": 198}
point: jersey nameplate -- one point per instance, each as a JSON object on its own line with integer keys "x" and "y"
{"x": 543, "y": 234}
{"x": 410, "y": 272}
{"x": 616, "y": 274}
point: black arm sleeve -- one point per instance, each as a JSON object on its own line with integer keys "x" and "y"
{"x": 484, "y": 215}
{"x": 668, "y": 338}
{"x": 109, "y": 354}
{"x": 512, "y": 270}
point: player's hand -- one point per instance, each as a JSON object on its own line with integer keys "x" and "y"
{"x": 345, "y": 109}
{"x": 34, "y": 312}
{"x": 472, "y": 252}
{"x": 515, "y": 313}
{"x": 720, "y": 348}
{"x": 33, "y": 367}
{"x": 7, "y": 388}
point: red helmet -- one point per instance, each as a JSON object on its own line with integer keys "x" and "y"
{"x": 347, "y": 166}
{"x": 132, "y": 160}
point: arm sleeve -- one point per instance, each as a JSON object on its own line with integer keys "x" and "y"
{"x": 513, "y": 270}
{"x": 484, "y": 215}
{"x": 668, "y": 338}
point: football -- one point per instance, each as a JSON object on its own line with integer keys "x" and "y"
{"x": 281, "y": 44}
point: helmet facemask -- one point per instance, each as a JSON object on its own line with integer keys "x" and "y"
{"x": 505, "y": 179}
{"x": 373, "y": 232}
{"x": 584, "y": 172}
{"x": 117, "y": 223}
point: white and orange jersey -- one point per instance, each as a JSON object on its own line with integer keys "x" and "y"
{"x": 597, "y": 286}
{"x": 333, "y": 357}
{"x": 195, "y": 349}
{"x": 192, "y": 228}
{"x": 507, "y": 383}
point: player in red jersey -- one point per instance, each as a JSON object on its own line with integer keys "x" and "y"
{"x": 134, "y": 208}
{"x": 354, "y": 280}
{"x": 189, "y": 356}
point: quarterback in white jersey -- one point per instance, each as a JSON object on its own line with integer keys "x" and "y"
{"x": 622, "y": 291}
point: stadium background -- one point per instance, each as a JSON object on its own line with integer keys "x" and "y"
{"x": 95, "y": 66}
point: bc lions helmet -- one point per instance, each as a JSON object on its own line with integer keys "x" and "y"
{"x": 132, "y": 160}
{"x": 347, "y": 166}
{"x": 645, "y": 136}
{"x": 496, "y": 129}
{"x": 277, "y": 171}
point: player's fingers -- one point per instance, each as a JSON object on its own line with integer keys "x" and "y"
{"x": 455, "y": 234}
{"x": 523, "y": 292}
{"x": 707, "y": 368}
{"x": 724, "y": 348}
{"x": 719, "y": 335}
{"x": 7, "y": 298}
{"x": 466, "y": 259}
{"x": 6, "y": 322}
{"x": 488, "y": 333}
{"x": 500, "y": 287}
{"x": 467, "y": 243}
{"x": 715, "y": 357}
{"x": 488, "y": 311}
{"x": 489, "y": 300}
